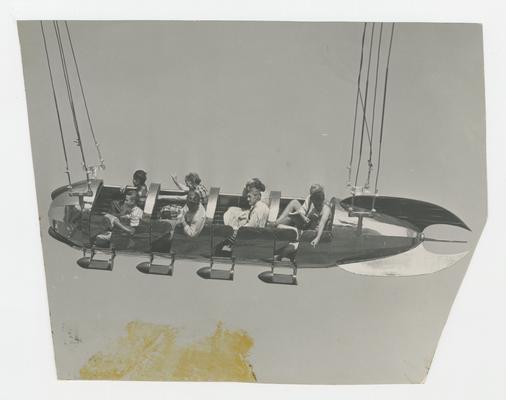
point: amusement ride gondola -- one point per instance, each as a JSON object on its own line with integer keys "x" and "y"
{"x": 366, "y": 233}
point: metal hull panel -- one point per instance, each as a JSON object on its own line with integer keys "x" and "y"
{"x": 338, "y": 250}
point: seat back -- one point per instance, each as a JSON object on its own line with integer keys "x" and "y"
{"x": 212, "y": 203}
{"x": 105, "y": 197}
{"x": 224, "y": 202}
{"x": 149, "y": 206}
{"x": 274, "y": 204}
{"x": 254, "y": 244}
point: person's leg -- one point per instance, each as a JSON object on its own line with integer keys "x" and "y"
{"x": 115, "y": 222}
{"x": 231, "y": 217}
{"x": 112, "y": 219}
{"x": 229, "y": 242}
{"x": 103, "y": 239}
{"x": 291, "y": 207}
{"x": 293, "y": 228}
{"x": 173, "y": 223}
{"x": 289, "y": 250}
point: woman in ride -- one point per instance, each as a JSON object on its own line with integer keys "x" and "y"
{"x": 193, "y": 182}
{"x": 312, "y": 215}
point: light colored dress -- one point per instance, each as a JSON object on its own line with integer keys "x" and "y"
{"x": 234, "y": 215}
{"x": 254, "y": 217}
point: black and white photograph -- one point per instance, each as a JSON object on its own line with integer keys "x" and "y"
{"x": 254, "y": 201}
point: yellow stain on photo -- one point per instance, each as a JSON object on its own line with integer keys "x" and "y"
{"x": 149, "y": 352}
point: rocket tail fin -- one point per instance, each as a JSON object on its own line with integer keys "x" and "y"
{"x": 418, "y": 213}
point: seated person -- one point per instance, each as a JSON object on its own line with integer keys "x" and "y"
{"x": 127, "y": 218}
{"x": 252, "y": 183}
{"x": 312, "y": 215}
{"x": 255, "y": 217}
{"x": 234, "y": 213}
{"x": 139, "y": 183}
{"x": 192, "y": 182}
{"x": 192, "y": 216}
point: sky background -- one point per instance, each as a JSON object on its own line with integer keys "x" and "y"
{"x": 273, "y": 100}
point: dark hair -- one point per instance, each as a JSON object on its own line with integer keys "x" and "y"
{"x": 193, "y": 178}
{"x": 193, "y": 197}
{"x": 131, "y": 192}
{"x": 140, "y": 175}
{"x": 256, "y": 184}
{"x": 318, "y": 196}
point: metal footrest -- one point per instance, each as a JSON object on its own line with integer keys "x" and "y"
{"x": 92, "y": 262}
{"x": 212, "y": 272}
{"x": 148, "y": 267}
{"x": 280, "y": 278}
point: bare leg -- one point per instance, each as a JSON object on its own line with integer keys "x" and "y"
{"x": 284, "y": 218}
{"x": 172, "y": 197}
{"x": 124, "y": 228}
{"x": 116, "y": 222}
{"x": 289, "y": 250}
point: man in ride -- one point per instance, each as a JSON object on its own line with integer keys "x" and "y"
{"x": 127, "y": 218}
{"x": 255, "y": 217}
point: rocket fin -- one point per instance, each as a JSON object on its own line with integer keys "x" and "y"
{"x": 417, "y": 261}
{"x": 421, "y": 214}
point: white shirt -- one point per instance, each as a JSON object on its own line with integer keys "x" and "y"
{"x": 258, "y": 215}
{"x": 135, "y": 216}
{"x": 195, "y": 226}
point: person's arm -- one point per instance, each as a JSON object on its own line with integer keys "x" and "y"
{"x": 178, "y": 184}
{"x": 194, "y": 228}
{"x": 124, "y": 228}
{"x": 304, "y": 209}
{"x": 321, "y": 225}
{"x": 174, "y": 197}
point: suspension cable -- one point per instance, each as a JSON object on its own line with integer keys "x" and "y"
{"x": 71, "y": 101}
{"x": 364, "y": 114}
{"x": 67, "y": 170}
{"x": 363, "y": 110}
{"x": 97, "y": 145}
{"x": 369, "y": 162}
{"x": 356, "y": 104}
{"x": 383, "y": 117}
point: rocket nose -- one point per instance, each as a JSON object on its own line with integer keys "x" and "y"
{"x": 67, "y": 213}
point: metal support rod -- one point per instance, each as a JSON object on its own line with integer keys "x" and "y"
{"x": 71, "y": 102}
{"x": 364, "y": 113}
{"x": 97, "y": 145}
{"x": 67, "y": 171}
{"x": 383, "y": 116}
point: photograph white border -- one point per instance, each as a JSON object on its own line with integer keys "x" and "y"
{"x": 469, "y": 362}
